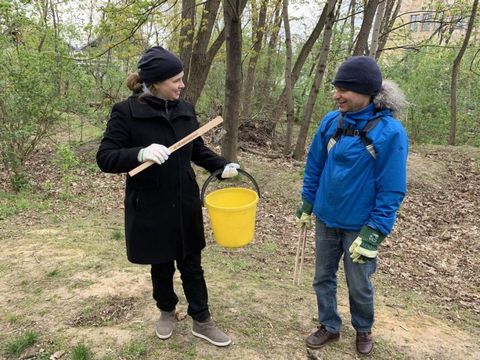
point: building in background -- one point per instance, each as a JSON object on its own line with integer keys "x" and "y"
{"x": 442, "y": 20}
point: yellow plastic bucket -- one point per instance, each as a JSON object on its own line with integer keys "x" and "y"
{"x": 232, "y": 213}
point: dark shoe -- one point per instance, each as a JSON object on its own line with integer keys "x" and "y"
{"x": 364, "y": 343}
{"x": 321, "y": 337}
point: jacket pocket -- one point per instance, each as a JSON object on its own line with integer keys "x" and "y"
{"x": 132, "y": 199}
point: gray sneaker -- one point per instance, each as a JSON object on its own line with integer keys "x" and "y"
{"x": 164, "y": 326}
{"x": 208, "y": 330}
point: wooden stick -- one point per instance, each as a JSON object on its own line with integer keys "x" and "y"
{"x": 302, "y": 239}
{"x": 302, "y": 256}
{"x": 199, "y": 132}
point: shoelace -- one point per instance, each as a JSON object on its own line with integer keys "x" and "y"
{"x": 363, "y": 336}
{"x": 321, "y": 331}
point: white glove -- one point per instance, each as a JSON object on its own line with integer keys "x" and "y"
{"x": 155, "y": 152}
{"x": 230, "y": 170}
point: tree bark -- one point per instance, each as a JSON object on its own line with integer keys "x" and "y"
{"x": 377, "y": 28}
{"x": 187, "y": 30}
{"x": 455, "y": 70}
{"x": 304, "y": 52}
{"x": 288, "y": 79}
{"x": 352, "y": 25}
{"x": 391, "y": 15}
{"x": 199, "y": 62}
{"x": 267, "y": 83}
{"x": 319, "y": 72}
{"x": 233, "y": 80}
{"x": 202, "y": 55}
{"x": 258, "y": 30}
{"x": 361, "y": 46}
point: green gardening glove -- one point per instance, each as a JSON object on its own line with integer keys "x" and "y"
{"x": 303, "y": 216}
{"x": 365, "y": 247}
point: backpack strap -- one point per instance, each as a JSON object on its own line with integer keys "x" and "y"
{"x": 352, "y": 132}
{"x": 366, "y": 140}
{"x": 338, "y": 133}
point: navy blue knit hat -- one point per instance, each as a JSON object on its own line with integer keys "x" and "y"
{"x": 360, "y": 74}
{"x": 158, "y": 64}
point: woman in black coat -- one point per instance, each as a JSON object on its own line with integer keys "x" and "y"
{"x": 163, "y": 215}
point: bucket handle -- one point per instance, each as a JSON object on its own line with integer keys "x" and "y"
{"x": 218, "y": 172}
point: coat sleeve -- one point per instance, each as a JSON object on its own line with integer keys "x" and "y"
{"x": 390, "y": 177}
{"x": 115, "y": 154}
{"x": 203, "y": 156}
{"x": 316, "y": 158}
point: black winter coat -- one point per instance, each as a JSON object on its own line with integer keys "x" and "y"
{"x": 163, "y": 215}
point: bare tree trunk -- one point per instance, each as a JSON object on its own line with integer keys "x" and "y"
{"x": 320, "y": 71}
{"x": 352, "y": 26}
{"x": 187, "y": 30}
{"x": 233, "y": 80}
{"x": 376, "y": 29}
{"x": 304, "y": 52}
{"x": 288, "y": 79}
{"x": 258, "y": 30}
{"x": 455, "y": 70}
{"x": 267, "y": 83}
{"x": 42, "y": 7}
{"x": 201, "y": 57}
{"x": 361, "y": 47}
{"x": 391, "y": 15}
{"x": 199, "y": 63}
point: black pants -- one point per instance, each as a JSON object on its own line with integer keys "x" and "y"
{"x": 193, "y": 283}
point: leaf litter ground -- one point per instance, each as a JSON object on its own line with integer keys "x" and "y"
{"x": 428, "y": 300}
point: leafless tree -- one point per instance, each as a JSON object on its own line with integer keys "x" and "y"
{"x": 232, "y": 11}
{"x": 258, "y": 30}
{"x": 319, "y": 72}
{"x": 187, "y": 30}
{"x": 455, "y": 70}
{"x": 288, "y": 78}
{"x": 361, "y": 46}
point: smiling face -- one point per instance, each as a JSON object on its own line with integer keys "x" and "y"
{"x": 170, "y": 89}
{"x": 350, "y": 101}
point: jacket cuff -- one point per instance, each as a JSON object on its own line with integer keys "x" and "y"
{"x": 371, "y": 236}
{"x": 306, "y": 207}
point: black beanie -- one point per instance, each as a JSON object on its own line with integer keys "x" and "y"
{"x": 360, "y": 74}
{"x": 158, "y": 64}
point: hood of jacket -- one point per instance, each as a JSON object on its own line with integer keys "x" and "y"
{"x": 391, "y": 97}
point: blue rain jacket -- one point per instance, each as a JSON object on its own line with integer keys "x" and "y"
{"x": 348, "y": 187}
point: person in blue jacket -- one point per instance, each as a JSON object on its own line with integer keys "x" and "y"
{"x": 354, "y": 183}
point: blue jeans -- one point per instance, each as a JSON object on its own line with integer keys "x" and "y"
{"x": 331, "y": 244}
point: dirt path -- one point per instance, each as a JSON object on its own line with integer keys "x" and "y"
{"x": 411, "y": 332}
{"x": 422, "y": 336}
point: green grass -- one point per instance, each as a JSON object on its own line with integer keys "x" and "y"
{"x": 12, "y": 319}
{"x": 53, "y": 273}
{"x": 117, "y": 235}
{"x": 134, "y": 350}
{"x": 19, "y": 344}
{"x": 12, "y": 204}
{"x": 81, "y": 352}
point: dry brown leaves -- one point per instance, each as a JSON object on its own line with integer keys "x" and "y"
{"x": 433, "y": 249}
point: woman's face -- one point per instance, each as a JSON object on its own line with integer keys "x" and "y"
{"x": 170, "y": 89}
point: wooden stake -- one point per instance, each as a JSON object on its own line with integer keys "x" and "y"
{"x": 199, "y": 132}
{"x": 302, "y": 240}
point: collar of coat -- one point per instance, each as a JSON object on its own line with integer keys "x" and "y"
{"x": 142, "y": 109}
